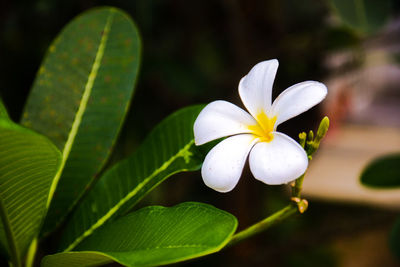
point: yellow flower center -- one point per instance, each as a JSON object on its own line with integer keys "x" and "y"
{"x": 263, "y": 129}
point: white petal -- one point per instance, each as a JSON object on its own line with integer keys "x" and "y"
{"x": 297, "y": 99}
{"x": 279, "y": 161}
{"x": 219, "y": 119}
{"x": 255, "y": 89}
{"x": 224, "y": 163}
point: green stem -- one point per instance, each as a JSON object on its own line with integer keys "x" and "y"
{"x": 310, "y": 144}
{"x": 298, "y": 186}
{"x": 14, "y": 255}
{"x": 264, "y": 224}
{"x": 289, "y": 210}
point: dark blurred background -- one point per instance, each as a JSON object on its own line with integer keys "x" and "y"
{"x": 196, "y": 52}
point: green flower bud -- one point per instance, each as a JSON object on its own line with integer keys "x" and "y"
{"x": 302, "y": 139}
{"x": 310, "y": 135}
{"x": 322, "y": 129}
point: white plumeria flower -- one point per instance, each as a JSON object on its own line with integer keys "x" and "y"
{"x": 275, "y": 158}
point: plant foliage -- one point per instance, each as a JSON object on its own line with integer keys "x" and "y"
{"x": 75, "y": 111}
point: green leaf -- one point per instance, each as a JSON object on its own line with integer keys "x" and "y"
{"x": 168, "y": 149}
{"x": 383, "y": 172}
{"x": 3, "y": 249}
{"x": 28, "y": 164}
{"x": 80, "y": 97}
{"x": 3, "y": 110}
{"x": 153, "y": 236}
{"x": 363, "y": 16}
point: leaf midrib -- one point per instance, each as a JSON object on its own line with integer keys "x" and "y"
{"x": 83, "y": 104}
{"x": 181, "y": 153}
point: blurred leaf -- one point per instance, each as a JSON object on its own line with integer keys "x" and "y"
{"x": 168, "y": 149}
{"x": 81, "y": 95}
{"x": 394, "y": 238}
{"x": 383, "y": 172}
{"x": 363, "y": 16}
{"x": 3, "y": 110}
{"x": 153, "y": 236}
{"x": 28, "y": 164}
{"x": 337, "y": 38}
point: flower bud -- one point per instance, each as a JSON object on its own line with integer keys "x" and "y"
{"x": 302, "y": 139}
{"x": 322, "y": 129}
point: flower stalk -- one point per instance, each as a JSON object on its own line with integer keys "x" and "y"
{"x": 310, "y": 143}
{"x": 261, "y": 226}
{"x": 298, "y": 186}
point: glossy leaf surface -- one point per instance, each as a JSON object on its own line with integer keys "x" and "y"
{"x": 168, "y": 149}
{"x": 153, "y": 236}
{"x": 28, "y": 164}
{"x": 81, "y": 95}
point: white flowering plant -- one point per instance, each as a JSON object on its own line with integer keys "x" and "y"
{"x": 274, "y": 157}
{"x": 54, "y": 181}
